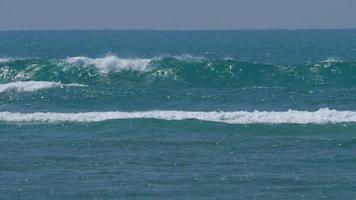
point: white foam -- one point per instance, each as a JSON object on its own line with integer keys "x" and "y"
{"x": 112, "y": 63}
{"x": 332, "y": 60}
{"x": 189, "y": 58}
{"x": 29, "y": 86}
{"x": 322, "y": 116}
{"x": 3, "y": 60}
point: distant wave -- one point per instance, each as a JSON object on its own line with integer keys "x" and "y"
{"x": 112, "y": 63}
{"x": 29, "y": 86}
{"x": 322, "y": 116}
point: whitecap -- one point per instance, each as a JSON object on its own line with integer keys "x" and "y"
{"x": 29, "y": 86}
{"x": 112, "y": 63}
{"x": 332, "y": 60}
{"x": 189, "y": 58}
{"x": 4, "y": 60}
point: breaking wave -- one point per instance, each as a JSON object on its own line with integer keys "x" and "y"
{"x": 181, "y": 70}
{"x": 321, "y": 116}
{"x": 29, "y": 86}
{"x": 112, "y": 63}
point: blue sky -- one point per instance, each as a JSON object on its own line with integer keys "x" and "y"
{"x": 176, "y": 14}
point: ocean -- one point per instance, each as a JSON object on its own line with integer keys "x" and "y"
{"x": 178, "y": 114}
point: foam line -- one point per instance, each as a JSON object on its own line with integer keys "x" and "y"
{"x": 321, "y": 116}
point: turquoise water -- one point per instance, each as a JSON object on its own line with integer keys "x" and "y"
{"x": 178, "y": 115}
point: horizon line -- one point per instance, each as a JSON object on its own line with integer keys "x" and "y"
{"x": 182, "y": 30}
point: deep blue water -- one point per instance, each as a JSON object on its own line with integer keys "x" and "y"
{"x": 178, "y": 115}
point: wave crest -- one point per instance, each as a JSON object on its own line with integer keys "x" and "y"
{"x": 29, "y": 86}
{"x": 112, "y": 63}
{"x": 322, "y": 116}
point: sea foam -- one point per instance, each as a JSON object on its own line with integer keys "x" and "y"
{"x": 3, "y": 60}
{"x": 321, "y": 116}
{"x": 112, "y": 63}
{"x": 29, "y": 86}
{"x": 332, "y": 60}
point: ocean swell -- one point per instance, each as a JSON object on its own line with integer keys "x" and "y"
{"x": 184, "y": 70}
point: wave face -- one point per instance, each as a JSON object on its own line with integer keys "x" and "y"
{"x": 178, "y": 71}
{"x": 322, "y": 116}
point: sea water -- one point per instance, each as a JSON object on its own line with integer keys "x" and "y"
{"x": 178, "y": 114}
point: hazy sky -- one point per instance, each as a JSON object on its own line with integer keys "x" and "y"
{"x": 176, "y": 14}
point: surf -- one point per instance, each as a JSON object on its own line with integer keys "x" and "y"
{"x": 321, "y": 116}
{"x": 179, "y": 70}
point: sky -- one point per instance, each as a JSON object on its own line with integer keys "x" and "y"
{"x": 176, "y": 14}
